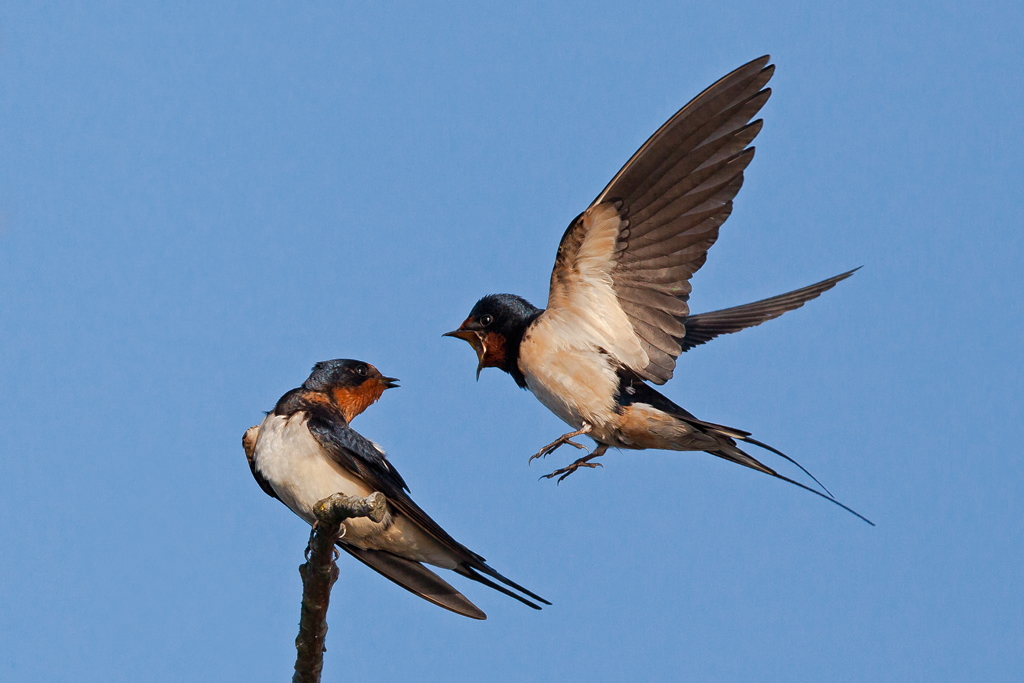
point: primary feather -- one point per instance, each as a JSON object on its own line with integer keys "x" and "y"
{"x": 623, "y": 267}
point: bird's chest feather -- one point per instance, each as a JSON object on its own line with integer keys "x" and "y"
{"x": 573, "y": 380}
{"x": 291, "y": 460}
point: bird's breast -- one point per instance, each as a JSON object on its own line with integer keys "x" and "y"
{"x": 574, "y": 381}
{"x": 290, "y": 458}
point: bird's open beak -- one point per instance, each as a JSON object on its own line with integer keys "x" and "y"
{"x": 474, "y": 339}
{"x": 389, "y": 382}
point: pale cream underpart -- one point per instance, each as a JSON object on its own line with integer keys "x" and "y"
{"x": 579, "y": 385}
{"x": 561, "y": 354}
{"x": 298, "y": 470}
{"x": 568, "y": 375}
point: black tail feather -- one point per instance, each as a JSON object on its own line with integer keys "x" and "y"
{"x": 493, "y": 573}
{"x": 726, "y": 455}
{"x": 745, "y": 436}
{"x": 638, "y": 391}
{"x": 704, "y": 327}
{"x": 471, "y": 573}
{"x": 786, "y": 457}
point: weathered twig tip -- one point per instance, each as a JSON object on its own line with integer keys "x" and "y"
{"x": 338, "y": 507}
{"x": 378, "y": 506}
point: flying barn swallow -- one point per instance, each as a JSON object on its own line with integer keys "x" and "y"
{"x": 305, "y": 451}
{"x": 617, "y": 314}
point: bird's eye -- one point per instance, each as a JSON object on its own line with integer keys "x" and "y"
{"x": 361, "y": 370}
{"x": 486, "y": 320}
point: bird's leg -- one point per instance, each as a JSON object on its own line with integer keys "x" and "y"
{"x": 309, "y": 545}
{"x": 563, "y": 439}
{"x": 582, "y": 462}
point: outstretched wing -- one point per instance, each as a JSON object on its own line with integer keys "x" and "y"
{"x": 623, "y": 267}
{"x": 361, "y": 457}
{"x": 704, "y": 327}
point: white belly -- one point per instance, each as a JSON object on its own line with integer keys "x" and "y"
{"x": 301, "y": 474}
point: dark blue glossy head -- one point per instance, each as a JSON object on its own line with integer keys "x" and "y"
{"x": 344, "y": 372}
{"x": 495, "y": 328}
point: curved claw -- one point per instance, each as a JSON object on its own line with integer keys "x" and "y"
{"x": 539, "y": 454}
{"x": 563, "y": 439}
{"x": 586, "y": 464}
{"x": 309, "y": 544}
{"x": 582, "y": 462}
{"x": 551, "y": 448}
{"x": 566, "y": 471}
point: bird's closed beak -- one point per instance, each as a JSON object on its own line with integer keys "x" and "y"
{"x": 474, "y": 339}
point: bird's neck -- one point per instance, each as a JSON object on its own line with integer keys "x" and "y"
{"x": 512, "y": 344}
{"x": 351, "y": 401}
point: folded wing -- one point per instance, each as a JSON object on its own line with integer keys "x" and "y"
{"x": 352, "y": 451}
{"x": 416, "y": 578}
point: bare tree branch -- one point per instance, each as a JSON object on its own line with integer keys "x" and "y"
{"x": 320, "y": 572}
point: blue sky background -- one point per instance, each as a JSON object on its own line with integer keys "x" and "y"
{"x": 201, "y": 200}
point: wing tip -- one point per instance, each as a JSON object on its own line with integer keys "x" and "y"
{"x": 417, "y": 579}
{"x": 762, "y": 62}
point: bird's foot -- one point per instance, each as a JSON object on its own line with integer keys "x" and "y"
{"x": 563, "y": 439}
{"x": 566, "y": 471}
{"x": 553, "y": 446}
{"x": 582, "y": 462}
{"x": 309, "y": 544}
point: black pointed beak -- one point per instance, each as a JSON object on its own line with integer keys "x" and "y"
{"x": 389, "y": 382}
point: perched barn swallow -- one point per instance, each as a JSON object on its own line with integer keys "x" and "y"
{"x": 617, "y": 314}
{"x": 304, "y": 451}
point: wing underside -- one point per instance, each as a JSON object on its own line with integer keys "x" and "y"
{"x": 623, "y": 267}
